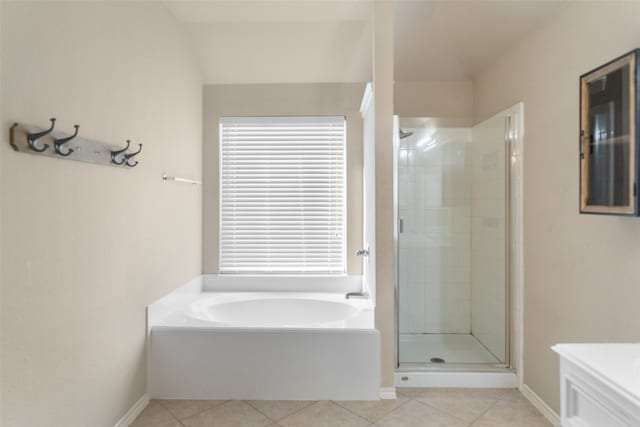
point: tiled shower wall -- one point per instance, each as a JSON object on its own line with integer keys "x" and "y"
{"x": 435, "y": 245}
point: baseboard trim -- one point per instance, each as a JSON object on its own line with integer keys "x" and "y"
{"x": 540, "y": 405}
{"x": 133, "y": 412}
{"x": 388, "y": 393}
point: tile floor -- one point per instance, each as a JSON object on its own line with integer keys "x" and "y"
{"x": 414, "y": 407}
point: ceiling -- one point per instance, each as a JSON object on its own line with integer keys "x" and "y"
{"x": 270, "y": 10}
{"x": 272, "y": 41}
{"x": 455, "y": 40}
{"x": 267, "y": 41}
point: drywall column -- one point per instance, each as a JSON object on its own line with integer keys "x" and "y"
{"x": 383, "y": 110}
{"x": 2, "y": 142}
{"x": 369, "y": 192}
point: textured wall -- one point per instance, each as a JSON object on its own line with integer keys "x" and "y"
{"x": 86, "y": 247}
{"x": 580, "y": 271}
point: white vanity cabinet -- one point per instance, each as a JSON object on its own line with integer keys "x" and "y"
{"x": 599, "y": 385}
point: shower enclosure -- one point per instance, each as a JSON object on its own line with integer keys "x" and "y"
{"x": 454, "y": 243}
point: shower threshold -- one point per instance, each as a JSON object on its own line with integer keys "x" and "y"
{"x": 466, "y": 377}
{"x": 467, "y": 363}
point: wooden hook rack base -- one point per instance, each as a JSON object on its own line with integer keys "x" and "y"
{"x": 84, "y": 150}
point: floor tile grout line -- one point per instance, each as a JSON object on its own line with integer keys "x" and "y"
{"x": 312, "y": 402}
{"x": 351, "y": 412}
{"x": 335, "y": 402}
{"x": 206, "y": 410}
{"x": 194, "y": 414}
{"x": 393, "y": 410}
{"x": 444, "y": 412}
{"x": 378, "y": 419}
{"x": 166, "y": 409}
{"x": 486, "y": 410}
{"x": 260, "y": 412}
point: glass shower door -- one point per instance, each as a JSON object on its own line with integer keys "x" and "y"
{"x": 490, "y": 226}
{"x": 452, "y": 245}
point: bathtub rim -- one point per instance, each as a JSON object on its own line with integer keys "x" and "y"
{"x": 317, "y": 309}
{"x": 266, "y": 330}
{"x": 171, "y": 309}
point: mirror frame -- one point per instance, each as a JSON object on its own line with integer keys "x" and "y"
{"x": 631, "y": 209}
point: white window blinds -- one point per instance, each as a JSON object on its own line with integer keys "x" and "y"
{"x": 282, "y": 195}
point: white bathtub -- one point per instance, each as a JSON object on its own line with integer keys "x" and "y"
{"x": 262, "y": 345}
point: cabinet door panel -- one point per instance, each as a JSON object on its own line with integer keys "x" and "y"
{"x": 608, "y": 138}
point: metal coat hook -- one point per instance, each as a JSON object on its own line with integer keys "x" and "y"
{"x": 58, "y": 143}
{"x": 115, "y": 154}
{"x": 32, "y": 138}
{"x": 12, "y": 138}
{"x": 127, "y": 157}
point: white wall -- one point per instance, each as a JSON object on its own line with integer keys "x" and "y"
{"x": 581, "y": 271}
{"x": 282, "y": 99}
{"x": 434, "y": 248}
{"x": 446, "y": 99}
{"x": 85, "y": 247}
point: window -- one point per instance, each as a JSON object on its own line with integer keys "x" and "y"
{"x": 282, "y": 195}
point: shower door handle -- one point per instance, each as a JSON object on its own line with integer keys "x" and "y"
{"x": 401, "y": 225}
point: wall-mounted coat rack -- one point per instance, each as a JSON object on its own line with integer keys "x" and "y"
{"x": 51, "y": 143}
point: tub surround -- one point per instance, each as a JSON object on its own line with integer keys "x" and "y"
{"x": 302, "y": 283}
{"x": 215, "y": 338}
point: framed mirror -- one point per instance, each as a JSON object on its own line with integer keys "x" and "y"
{"x": 608, "y": 141}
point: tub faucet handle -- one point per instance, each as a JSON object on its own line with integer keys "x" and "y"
{"x": 362, "y": 252}
{"x": 356, "y": 295}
